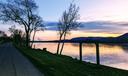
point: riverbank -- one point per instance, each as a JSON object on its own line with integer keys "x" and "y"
{"x": 56, "y": 65}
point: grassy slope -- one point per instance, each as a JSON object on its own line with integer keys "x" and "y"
{"x": 1, "y": 42}
{"x": 53, "y": 65}
{"x": 4, "y": 40}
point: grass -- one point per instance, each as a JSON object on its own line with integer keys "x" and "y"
{"x": 56, "y": 65}
{"x": 1, "y": 41}
{"x": 4, "y": 40}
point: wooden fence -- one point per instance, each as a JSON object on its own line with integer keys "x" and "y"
{"x": 80, "y": 46}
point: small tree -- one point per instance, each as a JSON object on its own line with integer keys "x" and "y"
{"x": 39, "y": 26}
{"x": 22, "y": 12}
{"x": 67, "y": 23}
{"x": 3, "y": 34}
{"x": 17, "y": 35}
{"x": 3, "y": 37}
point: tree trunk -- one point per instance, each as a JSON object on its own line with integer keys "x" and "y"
{"x": 33, "y": 38}
{"x": 62, "y": 44}
{"x": 58, "y": 46}
{"x": 27, "y": 39}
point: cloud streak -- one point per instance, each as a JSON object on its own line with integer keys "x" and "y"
{"x": 96, "y": 27}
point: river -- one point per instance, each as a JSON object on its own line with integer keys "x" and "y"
{"x": 110, "y": 54}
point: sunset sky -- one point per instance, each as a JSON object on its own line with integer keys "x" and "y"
{"x": 98, "y": 14}
{"x": 101, "y": 17}
{"x": 90, "y": 10}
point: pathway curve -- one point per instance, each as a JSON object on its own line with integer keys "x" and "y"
{"x": 13, "y": 63}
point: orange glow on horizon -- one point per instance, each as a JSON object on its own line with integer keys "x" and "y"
{"x": 52, "y": 35}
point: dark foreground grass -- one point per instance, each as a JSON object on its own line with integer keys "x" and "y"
{"x": 55, "y": 65}
{"x": 4, "y": 40}
{"x": 1, "y": 41}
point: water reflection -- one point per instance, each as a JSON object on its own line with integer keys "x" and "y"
{"x": 110, "y": 54}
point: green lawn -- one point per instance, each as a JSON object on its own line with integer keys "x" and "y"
{"x": 55, "y": 65}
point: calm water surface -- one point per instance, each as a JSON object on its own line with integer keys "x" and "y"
{"x": 110, "y": 55}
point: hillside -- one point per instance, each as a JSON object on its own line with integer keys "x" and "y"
{"x": 122, "y": 38}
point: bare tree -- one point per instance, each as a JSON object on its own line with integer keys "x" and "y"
{"x": 67, "y": 23}
{"x": 17, "y": 35}
{"x": 23, "y": 12}
{"x": 3, "y": 34}
{"x": 38, "y": 27}
{"x": 12, "y": 30}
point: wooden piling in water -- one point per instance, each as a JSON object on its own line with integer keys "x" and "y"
{"x": 97, "y": 54}
{"x": 80, "y": 52}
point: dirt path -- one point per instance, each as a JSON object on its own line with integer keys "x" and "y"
{"x": 13, "y": 63}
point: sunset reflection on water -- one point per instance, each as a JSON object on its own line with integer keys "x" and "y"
{"x": 111, "y": 55}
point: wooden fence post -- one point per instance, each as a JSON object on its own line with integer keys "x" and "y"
{"x": 97, "y": 54}
{"x": 80, "y": 52}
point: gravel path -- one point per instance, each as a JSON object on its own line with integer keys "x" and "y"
{"x": 13, "y": 63}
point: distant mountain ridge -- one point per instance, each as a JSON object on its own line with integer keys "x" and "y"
{"x": 94, "y": 26}
{"x": 122, "y": 38}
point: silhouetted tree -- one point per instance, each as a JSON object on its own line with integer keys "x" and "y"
{"x": 3, "y": 37}
{"x": 3, "y": 34}
{"x": 67, "y": 23}
{"x": 17, "y": 35}
{"x": 12, "y": 30}
{"x": 39, "y": 26}
{"x": 23, "y": 12}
